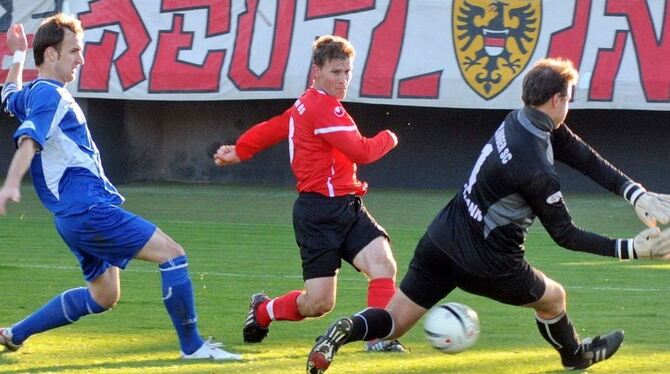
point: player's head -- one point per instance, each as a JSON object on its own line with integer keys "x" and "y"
{"x": 58, "y": 48}
{"x": 548, "y": 87}
{"x": 332, "y": 59}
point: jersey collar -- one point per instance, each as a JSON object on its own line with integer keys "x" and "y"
{"x": 538, "y": 118}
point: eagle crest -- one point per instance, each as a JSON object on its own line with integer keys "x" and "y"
{"x": 494, "y": 41}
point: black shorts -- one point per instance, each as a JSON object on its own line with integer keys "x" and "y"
{"x": 432, "y": 275}
{"x": 331, "y": 229}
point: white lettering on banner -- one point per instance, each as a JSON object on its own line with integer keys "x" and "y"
{"x": 244, "y": 49}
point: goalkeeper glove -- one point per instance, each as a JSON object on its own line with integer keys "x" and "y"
{"x": 652, "y": 207}
{"x": 651, "y": 243}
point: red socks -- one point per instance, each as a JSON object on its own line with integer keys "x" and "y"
{"x": 282, "y": 308}
{"x": 380, "y": 292}
{"x": 285, "y": 307}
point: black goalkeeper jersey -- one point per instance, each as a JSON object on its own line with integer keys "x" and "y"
{"x": 484, "y": 227}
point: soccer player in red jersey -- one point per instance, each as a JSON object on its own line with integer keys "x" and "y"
{"x": 330, "y": 220}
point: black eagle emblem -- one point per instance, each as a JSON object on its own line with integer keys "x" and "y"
{"x": 495, "y": 42}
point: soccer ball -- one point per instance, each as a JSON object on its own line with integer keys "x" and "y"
{"x": 451, "y": 327}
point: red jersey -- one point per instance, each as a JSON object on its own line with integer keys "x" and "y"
{"x": 324, "y": 144}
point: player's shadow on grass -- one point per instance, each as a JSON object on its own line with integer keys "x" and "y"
{"x": 149, "y": 364}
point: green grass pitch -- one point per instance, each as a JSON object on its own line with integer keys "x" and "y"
{"x": 240, "y": 241}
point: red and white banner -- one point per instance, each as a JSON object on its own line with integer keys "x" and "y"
{"x": 437, "y": 53}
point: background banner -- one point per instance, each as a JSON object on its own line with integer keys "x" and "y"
{"x": 435, "y": 53}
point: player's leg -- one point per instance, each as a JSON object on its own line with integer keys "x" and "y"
{"x": 368, "y": 249}
{"x": 66, "y": 308}
{"x": 75, "y": 303}
{"x": 427, "y": 281}
{"x": 368, "y": 244}
{"x": 320, "y": 224}
{"x": 376, "y": 261}
{"x": 557, "y": 329}
{"x": 178, "y": 296}
{"x": 527, "y": 286}
{"x": 317, "y": 298}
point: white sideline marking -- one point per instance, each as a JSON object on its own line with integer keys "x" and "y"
{"x": 299, "y": 276}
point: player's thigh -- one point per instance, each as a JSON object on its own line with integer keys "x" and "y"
{"x": 160, "y": 248}
{"x": 521, "y": 286}
{"x": 320, "y": 226}
{"x": 430, "y": 275}
{"x": 376, "y": 259}
{"x": 405, "y": 313}
{"x": 367, "y": 244}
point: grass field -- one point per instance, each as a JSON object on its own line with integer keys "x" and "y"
{"x": 240, "y": 241}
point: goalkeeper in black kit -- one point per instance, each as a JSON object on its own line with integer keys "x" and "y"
{"x": 476, "y": 242}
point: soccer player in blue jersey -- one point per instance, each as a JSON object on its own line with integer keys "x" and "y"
{"x": 54, "y": 142}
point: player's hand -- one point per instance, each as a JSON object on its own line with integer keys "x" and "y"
{"x": 652, "y": 207}
{"x": 652, "y": 243}
{"x": 6, "y": 194}
{"x": 16, "y": 38}
{"x": 226, "y": 155}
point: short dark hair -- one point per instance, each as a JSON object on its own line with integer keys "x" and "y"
{"x": 51, "y": 34}
{"x": 548, "y": 77}
{"x": 331, "y": 47}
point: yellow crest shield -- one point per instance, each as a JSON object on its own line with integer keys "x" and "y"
{"x": 494, "y": 40}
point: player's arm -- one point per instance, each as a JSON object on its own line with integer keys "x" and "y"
{"x": 355, "y": 146}
{"x": 573, "y": 151}
{"x": 256, "y": 139}
{"x": 17, "y": 43}
{"x": 11, "y": 189}
{"x": 543, "y": 194}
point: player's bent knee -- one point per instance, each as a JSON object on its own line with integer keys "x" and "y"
{"x": 79, "y": 302}
{"x": 172, "y": 249}
{"x": 557, "y": 293}
{"x": 108, "y": 302}
{"x": 318, "y": 309}
{"x": 106, "y": 299}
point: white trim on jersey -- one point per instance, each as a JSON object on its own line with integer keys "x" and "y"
{"x": 328, "y": 130}
{"x": 329, "y": 182}
{"x": 291, "y": 145}
{"x": 7, "y": 89}
{"x": 63, "y": 153}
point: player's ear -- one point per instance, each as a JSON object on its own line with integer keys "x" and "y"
{"x": 556, "y": 99}
{"x": 316, "y": 71}
{"x": 51, "y": 54}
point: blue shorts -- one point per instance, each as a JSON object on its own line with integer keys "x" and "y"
{"x": 105, "y": 235}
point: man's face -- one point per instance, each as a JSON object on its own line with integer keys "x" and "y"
{"x": 69, "y": 59}
{"x": 333, "y": 77}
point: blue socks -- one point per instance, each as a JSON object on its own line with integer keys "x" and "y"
{"x": 73, "y": 304}
{"x": 63, "y": 309}
{"x": 180, "y": 304}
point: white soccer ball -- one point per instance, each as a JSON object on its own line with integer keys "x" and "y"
{"x": 451, "y": 327}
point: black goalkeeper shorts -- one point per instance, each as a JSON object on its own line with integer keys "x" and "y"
{"x": 331, "y": 229}
{"x": 432, "y": 275}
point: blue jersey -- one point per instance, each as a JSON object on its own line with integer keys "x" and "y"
{"x": 66, "y": 172}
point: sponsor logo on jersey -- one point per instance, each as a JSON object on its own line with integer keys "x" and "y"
{"x": 494, "y": 41}
{"x": 338, "y": 111}
{"x": 555, "y": 198}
